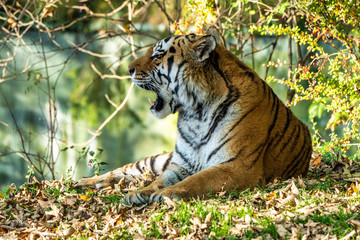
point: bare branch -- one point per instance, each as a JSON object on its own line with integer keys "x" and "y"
{"x": 104, "y": 76}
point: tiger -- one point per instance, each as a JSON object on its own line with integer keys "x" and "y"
{"x": 233, "y": 132}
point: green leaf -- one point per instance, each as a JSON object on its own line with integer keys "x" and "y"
{"x": 316, "y": 110}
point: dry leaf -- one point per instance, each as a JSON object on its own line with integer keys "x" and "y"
{"x": 301, "y": 182}
{"x": 68, "y": 232}
{"x": 45, "y": 204}
{"x": 247, "y": 219}
{"x": 84, "y": 197}
{"x": 349, "y": 235}
{"x": 169, "y": 202}
{"x": 236, "y": 231}
{"x": 316, "y": 161}
{"x": 208, "y": 218}
{"x": 295, "y": 190}
{"x": 355, "y": 223}
{"x": 281, "y": 230}
{"x": 295, "y": 233}
{"x": 311, "y": 224}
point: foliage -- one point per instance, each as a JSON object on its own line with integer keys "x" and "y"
{"x": 58, "y": 57}
{"x": 198, "y": 13}
{"x": 324, "y": 36}
{"x": 292, "y": 209}
{"x": 328, "y": 74}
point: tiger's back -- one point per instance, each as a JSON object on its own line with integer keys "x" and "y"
{"x": 276, "y": 135}
{"x": 233, "y": 131}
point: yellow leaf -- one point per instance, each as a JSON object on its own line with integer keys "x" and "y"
{"x": 1, "y": 195}
{"x": 89, "y": 192}
{"x": 127, "y": 26}
{"x": 12, "y": 22}
{"x": 119, "y": 220}
{"x": 352, "y": 189}
{"x": 84, "y": 197}
{"x": 48, "y": 12}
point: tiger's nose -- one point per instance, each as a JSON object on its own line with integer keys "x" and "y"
{"x": 131, "y": 71}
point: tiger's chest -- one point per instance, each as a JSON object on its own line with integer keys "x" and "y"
{"x": 201, "y": 143}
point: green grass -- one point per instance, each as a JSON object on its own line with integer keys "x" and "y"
{"x": 321, "y": 205}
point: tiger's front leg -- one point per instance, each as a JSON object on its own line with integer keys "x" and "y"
{"x": 155, "y": 164}
{"x": 170, "y": 177}
{"x": 229, "y": 176}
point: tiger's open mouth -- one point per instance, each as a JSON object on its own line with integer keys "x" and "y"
{"x": 159, "y": 103}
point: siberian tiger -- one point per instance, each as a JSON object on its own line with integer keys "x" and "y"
{"x": 233, "y": 131}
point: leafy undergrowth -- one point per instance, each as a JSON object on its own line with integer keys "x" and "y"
{"x": 325, "y": 204}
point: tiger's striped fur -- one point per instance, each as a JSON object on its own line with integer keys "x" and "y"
{"x": 233, "y": 131}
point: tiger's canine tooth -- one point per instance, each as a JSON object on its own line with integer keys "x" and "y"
{"x": 151, "y": 102}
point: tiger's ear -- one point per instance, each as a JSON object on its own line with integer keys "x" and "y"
{"x": 203, "y": 47}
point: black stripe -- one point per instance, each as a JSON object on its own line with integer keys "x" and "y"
{"x": 215, "y": 65}
{"x": 185, "y": 137}
{"x": 170, "y": 62}
{"x": 301, "y": 160}
{"x": 186, "y": 160}
{"x": 243, "y": 66}
{"x": 233, "y": 158}
{"x": 172, "y": 49}
{"x": 275, "y": 116}
{"x": 167, "y": 39}
{"x": 152, "y": 162}
{"x": 167, "y": 162}
{"x": 297, "y": 158}
{"x": 304, "y": 160}
{"x": 293, "y": 166}
{"x": 199, "y": 111}
{"x": 176, "y": 108}
{"x": 258, "y": 150}
{"x": 274, "y": 98}
{"x": 251, "y": 75}
{"x": 279, "y": 137}
{"x": 292, "y": 137}
{"x": 283, "y": 132}
{"x": 264, "y": 86}
{"x": 239, "y": 121}
{"x": 179, "y": 178}
{"x": 218, "y": 115}
{"x": 147, "y": 164}
{"x": 188, "y": 38}
{"x": 138, "y": 167}
{"x": 271, "y": 127}
{"x": 176, "y": 89}
{"x": 177, "y": 73}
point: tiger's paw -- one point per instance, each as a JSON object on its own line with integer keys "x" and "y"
{"x": 144, "y": 196}
{"x": 139, "y": 197}
{"x": 160, "y": 195}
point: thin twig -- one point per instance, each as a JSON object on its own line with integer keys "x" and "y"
{"x": 97, "y": 132}
{"x": 270, "y": 56}
{"x": 104, "y": 76}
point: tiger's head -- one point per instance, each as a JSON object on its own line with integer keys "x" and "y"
{"x": 166, "y": 69}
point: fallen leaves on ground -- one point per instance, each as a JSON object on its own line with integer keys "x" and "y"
{"x": 324, "y": 205}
